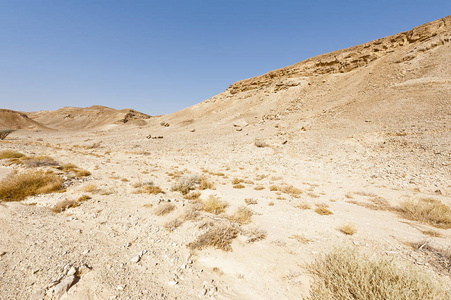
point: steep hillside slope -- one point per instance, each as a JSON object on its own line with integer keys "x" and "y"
{"x": 397, "y": 78}
{"x": 11, "y": 119}
{"x": 96, "y": 116}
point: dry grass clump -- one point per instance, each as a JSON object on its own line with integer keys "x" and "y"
{"x": 185, "y": 184}
{"x": 242, "y": 215}
{"x": 74, "y": 169}
{"x": 89, "y": 188}
{"x": 5, "y": 132}
{"x": 10, "y": 154}
{"x": 152, "y": 189}
{"x": 259, "y": 188}
{"x": 347, "y": 274}
{"x": 237, "y": 181}
{"x": 439, "y": 258}
{"x": 63, "y": 205}
{"x": 19, "y": 186}
{"x": 291, "y": 190}
{"x": 303, "y": 205}
{"x": 213, "y": 205}
{"x": 191, "y": 212}
{"x": 164, "y": 209}
{"x": 66, "y": 204}
{"x": 218, "y": 236}
{"x": 348, "y": 228}
{"x": 429, "y": 211}
{"x": 250, "y": 201}
{"x": 238, "y": 186}
{"x": 204, "y": 183}
{"x": 38, "y": 161}
{"x": 173, "y": 224}
{"x": 300, "y": 238}
{"x": 192, "y": 196}
{"x": 323, "y": 211}
{"x": 254, "y": 234}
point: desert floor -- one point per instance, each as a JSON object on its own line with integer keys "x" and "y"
{"x": 123, "y": 246}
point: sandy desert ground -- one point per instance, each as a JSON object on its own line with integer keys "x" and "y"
{"x": 308, "y": 158}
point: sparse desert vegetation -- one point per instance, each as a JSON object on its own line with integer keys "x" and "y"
{"x": 245, "y": 195}
{"x": 429, "y": 211}
{"x": 348, "y": 274}
{"x": 218, "y": 236}
{"x": 19, "y": 186}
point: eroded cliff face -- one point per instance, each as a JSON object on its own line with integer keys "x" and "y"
{"x": 419, "y": 39}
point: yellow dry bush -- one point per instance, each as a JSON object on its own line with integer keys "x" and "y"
{"x": 10, "y": 154}
{"x": 242, "y": 215}
{"x": 348, "y": 274}
{"x": 19, "y": 186}
{"x": 429, "y": 211}
{"x": 213, "y": 205}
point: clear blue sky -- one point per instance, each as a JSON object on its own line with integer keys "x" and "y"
{"x": 161, "y": 56}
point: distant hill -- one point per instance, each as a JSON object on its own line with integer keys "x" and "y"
{"x": 75, "y": 118}
{"x": 10, "y": 119}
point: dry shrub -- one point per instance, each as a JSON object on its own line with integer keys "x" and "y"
{"x": 347, "y": 274}
{"x": 192, "y": 196}
{"x": 152, "y": 189}
{"x": 89, "y": 188}
{"x": 213, "y": 205}
{"x": 429, "y": 211}
{"x": 38, "y": 161}
{"x": 242, "y": 215}
{"x": 174, "y": 224}
{"x": 323, "y": 211}
{"x": 439, "y": 258}
{"x": 348, "y": 228}
{"x": 300, "y": 238}
{"x": 204, "y": 183}
{"x": 63, "y": 205}
{"x": 185, "y": 184}
{"x": 271, "y": 203}
{"x": 303, "y": 205}
{"x": 218, "y": 236}
{"x": 274, "y": 188}
{"x": 191, "y": 212}
{"x": 19, "y": 186}
{"x": 5, "y": 132}
{"x": 10, "y": 154}
{"x": 431, "y": 233}
{"x": 291, "y": 190}
{"x": 250, "y": 201}
{"x": 237, "y": 181}
{"x": 66, "y": 204}
{"x": 74, "y": 169}
{"x": 254, "y": 234}
{"x": 164, "y": 209}
{"x": 238, "y": 186}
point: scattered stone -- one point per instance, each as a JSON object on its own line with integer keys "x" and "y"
{"x": 149, "y": 136}
{"x": 192, "y": 130}
{"x": 203, "y": 292}
{"x": 72, "y": 271}
{"x": 85, "y": 252}
{"x": 61, "y": 288}
{"x": 172, "y": 282}
{"x": 121, "y": 287}
{"x": 239, "y": 129}
{"x": 284, "y": 142}
{"x": 135, "y": 259}
{"x": 2, "y": 253}
{"x": 240, "y": 123}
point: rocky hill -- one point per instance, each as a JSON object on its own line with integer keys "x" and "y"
{"x": 96, "y": 116}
